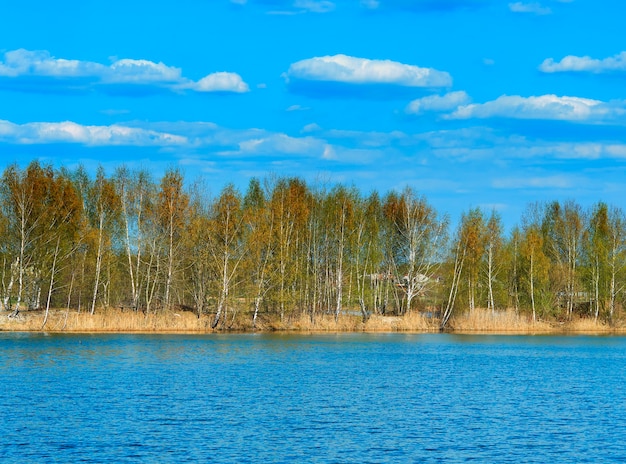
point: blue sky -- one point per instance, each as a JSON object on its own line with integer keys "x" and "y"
{"x": 472, "y": 103}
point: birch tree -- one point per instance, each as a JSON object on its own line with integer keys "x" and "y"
{"x": 617, "y": 257}
{"x": 473, "y": 232}
{"x": 493, "y": 242}
{"x": 596, "y": 248}
{"x": 419, "y": 240}
{"x": 226, "y": 246}
{"x": 366, "y": 252}
{"x": 562, "y": 229}
{"x": 65, "y": 226}
{"x": 171, "y": 209}
{"x": 135, "y": 191}
{"x": 259, "y": 229}
{"x": 458, "y": 253}
{"x": 104, "y": 211}
{"x": 24, "y": 194}
{"x": 535, "y": 263}
{"x": 339, "y": 205}
{"x": 290, "y": 205}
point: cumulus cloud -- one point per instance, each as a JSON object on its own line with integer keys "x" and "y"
{"x": 221, "y": 82}
{"x": 71, "y": 132}
{"x": 38, "y": 70}
{"x": 447, "y": 102}
{"x": 571, "y": 63}
{"x": 547, "y": 107}
{"x": 140, "y": 71}
{"x": 40, "y": 63}
{"x": 351, "y": 70}
{"x": 533, "y": 8}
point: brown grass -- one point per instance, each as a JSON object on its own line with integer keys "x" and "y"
{"x": 483, "y": 320}
{"x": 511, "y": 322}
{"x": 414, "y": 322}
{"x": 115, "y": 320}
{"x": 108, "y": 320}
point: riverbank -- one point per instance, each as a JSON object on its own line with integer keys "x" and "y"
{"x": 118, "y": 321}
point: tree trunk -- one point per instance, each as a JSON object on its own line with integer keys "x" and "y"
{"x": 52, "y": 273}
{"x": 491, "y": 303}
{"x": 454, "y": 287}
{"x": 98, "y": 264}
{"x": 532, "y": 287}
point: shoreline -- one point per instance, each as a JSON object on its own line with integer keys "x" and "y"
{"x": 113, "y": 321}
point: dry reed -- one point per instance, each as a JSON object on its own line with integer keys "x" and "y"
{"x": 413, "y": 322}
{"x": 511, "y": 322}
{"x": 115, "y": 320}
{"x": 108, "y": 320}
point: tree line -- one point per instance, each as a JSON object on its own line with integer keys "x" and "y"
{"x": 284, "y": 248}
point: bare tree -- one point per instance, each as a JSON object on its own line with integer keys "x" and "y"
{"x": 419, "y": 241}
{"x": 493, "y": 245}
{"x": 226, "y": 245}
{"x": 104, "y": 204}
{"x": 172, "y": 205}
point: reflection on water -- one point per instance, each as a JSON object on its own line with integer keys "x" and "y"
{"x": 336, "y": 398}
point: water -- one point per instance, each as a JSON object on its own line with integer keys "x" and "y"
{"x": 324, "y": 399}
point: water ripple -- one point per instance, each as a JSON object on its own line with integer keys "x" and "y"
{"x": 324, "y": 399}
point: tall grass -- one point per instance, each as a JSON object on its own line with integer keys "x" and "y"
{"x": 510, "y": 321}
{"x": 115, "y": 320}
{"x": 108, "y": 320}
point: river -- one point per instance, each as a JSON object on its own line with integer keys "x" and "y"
{"x": 361, "y": 398}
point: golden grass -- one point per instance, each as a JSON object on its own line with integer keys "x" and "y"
{"x": 588, "y": 325}
{"x": 108, "y": 320}
{"x": 411, "y": 322}
{"x": 115, "y": 320}
{"x": 483, "y": 320}
{"x": 414, "y": 322}
{"x": 511, "y": 322}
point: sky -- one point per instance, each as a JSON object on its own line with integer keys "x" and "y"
{"x": 471, "y": 103}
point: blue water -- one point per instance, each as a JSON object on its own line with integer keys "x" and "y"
{"x": 329, "y": 399}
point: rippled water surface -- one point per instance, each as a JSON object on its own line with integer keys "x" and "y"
{"x": 337, "y": 398}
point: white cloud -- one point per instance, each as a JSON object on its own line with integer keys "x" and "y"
{"x": 141, "y": 72}
{"x": 548, "y": 107}
{"x": 352, "y": 70}
{"x": 447, "y": 102}
{"x": 24, "y": 64}
{"x": 277, "y": 143}
{"x": 585, "y": 64}
{"x": 312, "y": 127}
{"x": 71, "y": 132}
{"x": 534, "y": 8}
{"x": 297, "y": 108}
{"x": 221, "y": 82}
